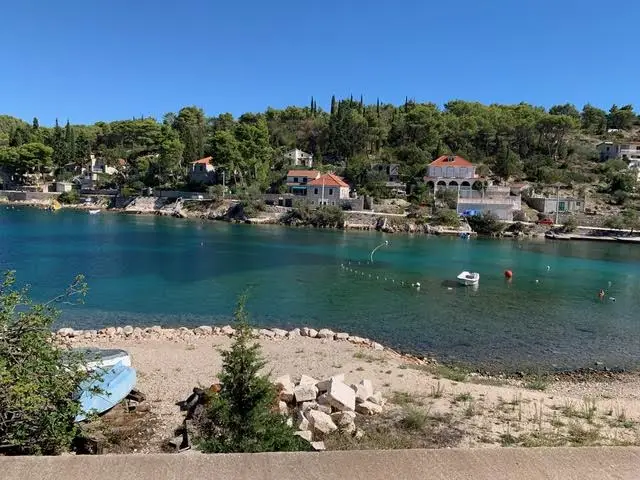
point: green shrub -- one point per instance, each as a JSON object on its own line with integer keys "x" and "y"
{"x": 570, "y": 225}
{"x": 326, "y": 216}
{"x": 485, "y": 224}
{"x": 447, "y": 217}
{"x": 69, "y": 198}
{"x": 37, "y": 379}
{"x": 241, "y": 417}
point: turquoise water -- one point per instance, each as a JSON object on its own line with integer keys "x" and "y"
{"x": 153, "y": 270}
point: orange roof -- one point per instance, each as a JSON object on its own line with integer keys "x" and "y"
{"x": 450, "y": 161}
{"x": 329, "y": 180}
{"x": 303, "y": 173}
{"x": 204, "y": 160}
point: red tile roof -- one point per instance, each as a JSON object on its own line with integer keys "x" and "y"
{"x": 303, "y": 173}
{"x": 329, "y": 180}
{"x": 204, "y": 160}
{"x": 450, "y": 161}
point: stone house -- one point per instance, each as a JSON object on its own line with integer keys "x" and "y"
{"x": 202, "y": 171}
{"x": 297, "y": 158}
{"x": 297, "y": 181}
{"x": 327, "y": 189}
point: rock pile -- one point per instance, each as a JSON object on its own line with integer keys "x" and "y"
{"x": 128, "y": 332}
{"x": 319, "y": 408}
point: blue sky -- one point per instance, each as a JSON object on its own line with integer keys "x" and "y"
{"x": 89, "y": 61}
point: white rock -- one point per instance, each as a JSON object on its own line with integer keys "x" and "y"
{"x": 312, "y": 333}
{"x": 311, "y": 405}
{"x": 323, "y": 385}
{"x": 377, "y": 398}
{"x": 306, "y": 434}
{"x": 305, "y": 331}
{"x": 228, "y": 330}
{"x": 278, "y": 332}
{"x": 368, "y": 408}
{"x": 77, "y": 333}
{"x": 364, "y": 390}
{"x": 294, "y": 333}
{"x": 282, "y": 408}
{"x": 65, "y": 332}
{"x": 342, "y": 336}
{"x": 305, "y": 393}
{"x": 301, "y": 421}
{"x": 285, "y": 386}
{"x": 128, "y": 330}
{"x": 357, "y": 340}
{"x": 265, "y": 332}
{"x": 110, "y": 331}
{"x": 324, "y": 408}
{"x": 320, "y": 422}
{"x": 156, "y": 329}
{"x": 307, "y": 380}
{"x": 318, "y": 446}
{"x": 377, "y": 346}
{"x": 203, "y": 330}
{"x": 289, "y": 422}
{"x": 359, "y": 434}
{"x": 217, "y": 330}
{"x": 119, "y": 331}
{"x": 341, "y": 396}
{"x": 326, "y": 333}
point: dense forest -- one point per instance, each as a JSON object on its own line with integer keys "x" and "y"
{"x": 509, "y": 141}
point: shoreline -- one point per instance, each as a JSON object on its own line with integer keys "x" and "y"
{"x": 69, "y": 336}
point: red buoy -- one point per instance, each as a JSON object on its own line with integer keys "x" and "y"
{"x": 508, "y": 274}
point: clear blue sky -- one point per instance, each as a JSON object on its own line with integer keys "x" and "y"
{"x": 89, "y": 60}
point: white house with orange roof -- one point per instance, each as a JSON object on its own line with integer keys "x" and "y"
{"x": 202, "y": 171}
{"x": 297, "y": 180}
{"x": 327, "y": 189}
{"x": 452, "y": 171}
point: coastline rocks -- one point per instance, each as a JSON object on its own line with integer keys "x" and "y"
{"x": 325, "y": 333}
{"x": 294, "y": 333}
{"x": 278, "y": 332}
{"x": 285, "y": 387}
{"x": 203, "y": 330}
{"x": 266, "y": 333}
{"x": 320, "y": 423}
{"x": 127, "y": 330}
{"x": 228, "y": 330}
{"x": 341, "y": 336}
{"x": 340, "y": 396}
{"x": 66, "y": 332}
{"x": 305, "y": 434}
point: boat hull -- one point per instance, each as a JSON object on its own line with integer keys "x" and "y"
{"x": 113, "y": 385}
{"x": 468, "y": 279}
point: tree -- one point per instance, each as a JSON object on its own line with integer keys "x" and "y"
{"x": 568, "y": 109}
{"x": 594, "y": 120}
{"x": 190, "y": 124}
{"x": 621, "y": 118}
{"x": 225, "y": 148}
{"x": 58, "y": 146}
{"x": 333, "y": 104}
{"x": 70, "y": 143}
{"x": 485, "y": 224}
{"x": 38, "y": 380}
{"x": 241, "y": 417}
{"x": 35, "y": 124}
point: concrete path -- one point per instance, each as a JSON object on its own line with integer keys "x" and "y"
{"x": 597, "y": 463}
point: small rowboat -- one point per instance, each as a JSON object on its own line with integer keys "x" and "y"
{"x": 94, "y": 212}
{"x": 468, "y": 278}
{"x": 113, "y": 384}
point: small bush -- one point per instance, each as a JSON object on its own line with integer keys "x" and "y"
{"x": 447, "y": 217}
{"x": 485, "y": 224}
{"x": 69, "y": 198}
{"x": 414, "y": 419}
{"x": 570, "y": 225}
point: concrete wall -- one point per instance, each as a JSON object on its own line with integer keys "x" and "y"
{"x": 331, "y": 195}
{"x": 566, "y": 463}
{"x": 16, "y": 196}
{"x": 178, "y": 194}
{"x": 452, "y": 172}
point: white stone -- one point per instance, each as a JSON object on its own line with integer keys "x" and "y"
{"x": 278, "y": 332}
{"x": 289, "y": 422}
{"x": 311, "y": 405}
{"x": 228, "y": 330}
{"x": 307, "y": 380}
{"x": 377, "y": 398}
{"x": 65, "y": 332}
{"x": 323, "y": 399}
{"x": 119, "y": 331}
{"x": 305, "y": 393}
{"x": 294, "y": 333}
{"x": 110, "y": 331}
{"x": 342, "y": 336}
{"x": 325, "y": 333}
{"x": 305, "y": 434}
{"x": 359, "y": 434}
{"x": 304, "y": 332}
{"x": 203, "y": 330}
{"x": 320, "y": 422}
{"x": 323, "y": 385}
{"x": 318, "y": 446}
{"x": 377, "y": 346}
{"x": 364, "y": 390}
{"x": 128, "y": 330}
{"x": 282, "y": 408}
{"x": 341, "y": 396}
{"x": 368, "y": 408}
{"x": 301, "y": 421}
{"x": 357, "y": 340}
{"x": 77, "y": 333}
{"x": 324, "y": 408}
{"x": 265, "y": 332}
{"x": 156, "y": 329}
{"x": 312, "y": 333}
{"x": 285, "y": 386}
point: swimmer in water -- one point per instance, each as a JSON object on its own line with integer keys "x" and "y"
{"x": 601, "y": 294}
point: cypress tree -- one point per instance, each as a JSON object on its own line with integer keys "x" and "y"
{"x": 69, "y": 143}
{"x": 333, "y": 104}
{"x": 378, "y": 107}
{"x": 35, "y": 125}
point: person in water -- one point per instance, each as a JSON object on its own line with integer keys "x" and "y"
{"x": 601, "y": 294}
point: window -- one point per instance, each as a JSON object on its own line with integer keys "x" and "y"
{"x": 577, "y": 204}
{"x": 331, "y": 191}
{"x": 561, "y": 206}
{"x": 295, "y": 179}
{"x": 315, "y": 191}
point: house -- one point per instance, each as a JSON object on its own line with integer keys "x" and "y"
{"x": 451, "y": 172}
{"x": 611, "y": 150}
{"x": 297, "y": 157}
{"x": 390, "y": 171}
{"x": 497, "y": 200}
{"x": 552, "y": 204}
{"x": 99, "y": 165}
{"x": 202, "y": 171}
{"x": 63, "y": 187}
{"x": 297, "y": 180}
{"x": 634, "y": 166}
{"x": 327, "y": 189}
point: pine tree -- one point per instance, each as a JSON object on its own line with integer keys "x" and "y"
{"x": 35, "y": 125}
{"x": 58, "y": 145}
{"x": 241, "y": 417}
{"x": 333, "y": 104}
{"x": 69, "y": 143}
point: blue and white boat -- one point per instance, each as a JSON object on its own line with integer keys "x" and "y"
{"x": 97, "y": 396}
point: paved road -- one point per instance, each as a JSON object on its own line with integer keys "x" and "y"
{"x": 597, "y": 463}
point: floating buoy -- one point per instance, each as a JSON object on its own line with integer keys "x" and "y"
{"x": 609, "y": 284}
{"x": 508, "y": 274}
{"x": 537, "y": 281}
{"x": 613, "y": 299}
{"x": 548, "y": 267}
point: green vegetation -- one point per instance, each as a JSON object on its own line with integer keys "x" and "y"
{"x": 447, "y": 217}
{"x": 243, "y": 416}
{"x": 485, "y": 224}
{"x": 512, "y": 141}
{"x": 70, "y": 198}
{"x": 38, "y": 380}
{"x": 326, "y": 216}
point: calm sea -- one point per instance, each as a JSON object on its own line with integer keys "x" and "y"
{"x": 162, "y": 271}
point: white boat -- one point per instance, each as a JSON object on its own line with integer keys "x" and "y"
{"x": 469, "y": 278}
{"x": 94, "y": 212}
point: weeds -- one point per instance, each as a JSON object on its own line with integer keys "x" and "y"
{"x": 414, "y": 419}
{"x": 537, "y": 383}
{"x": 437, "y": 391}
{"x": 451, "y": 373}
{"x": 463, "y": 397}
{"x": 578, "y": 435}
{"x": 404, "y": 398}
{"x": 470, "y": 411}
{"x": 589, "y": 408}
